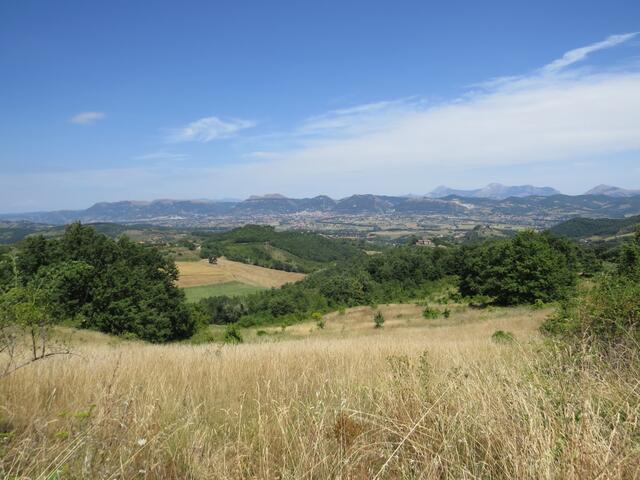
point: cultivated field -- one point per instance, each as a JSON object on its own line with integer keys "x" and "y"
{"x": 415, "y": 399}
{"x": 229, "y": 289}
{"x": 194, "y": 274}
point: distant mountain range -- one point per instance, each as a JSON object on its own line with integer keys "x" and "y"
{"x": 543, "y": 204}
{"x": 495, "y": 191}
{"x": 541, "y": 208}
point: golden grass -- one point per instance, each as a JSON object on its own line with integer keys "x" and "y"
{"x": 193, "y": 274}
{"x": 405, "y": 401}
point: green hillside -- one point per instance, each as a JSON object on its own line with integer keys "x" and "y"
{"x": 290, "y": 250}
{"x": 581, "y": 228}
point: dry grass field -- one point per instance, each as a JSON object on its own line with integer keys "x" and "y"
{"x": 415, "y": 399}
{"x": 194, "y": 274}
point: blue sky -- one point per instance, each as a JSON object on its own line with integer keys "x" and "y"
{"x": 104, "y": 101}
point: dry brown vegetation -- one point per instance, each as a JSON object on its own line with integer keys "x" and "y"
{"x": 410, "y": 400}
{"x": 193, "y": 274}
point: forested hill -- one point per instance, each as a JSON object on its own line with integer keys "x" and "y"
{"x": 582, "y": 228}
{"x": 288, "y": 250}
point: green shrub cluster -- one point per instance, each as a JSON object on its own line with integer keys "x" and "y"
{"x": 609, "y": 312}
{"x": 115, "y": 286}
{"x": 527, "y": 268}
{"x": 296, "y": 251}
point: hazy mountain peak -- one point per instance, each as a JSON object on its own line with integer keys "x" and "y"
{"x": 267, "y": 196}
{"x": 612, "y": 191}
{"x": 495, "y": 191}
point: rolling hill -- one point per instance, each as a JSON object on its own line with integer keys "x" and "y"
{"x": 583, "y": 228}
{"x": 289, "y": 250}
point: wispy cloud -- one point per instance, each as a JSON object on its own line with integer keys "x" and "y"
{"x": 87, "y": 118}
{"x": 357, "y": 119}
{"x": 263, "y": 155}
{"x": 578, "y": 54}
{"x": 209, "y": 128}
{"x": 549, "y": 120}
{"x": 161, "y": 155}
{"x": 551, "y": 114}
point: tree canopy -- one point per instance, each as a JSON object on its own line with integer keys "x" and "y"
{"x": 115, "y": 286}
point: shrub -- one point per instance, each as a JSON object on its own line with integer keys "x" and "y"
{"x": 202, "y": 335}
{"x": 538, "y": 304}
{"x": 608, "y": 314}
{"x": 232, "y": 334}
{"x": 378, "y": 319}
{"x": 320, "y": 322}
{"x": 430, "y": 313}
{"x": 500, "y": 336}
{"x": 115, "y": 286}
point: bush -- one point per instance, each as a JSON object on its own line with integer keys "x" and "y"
{"x": 378, "y": 319}
{"x": 500, "y": 336}
{"x": 430, "y": 313}
{"x": 317, "y": 317}
{"x": 607, "y": 314}
{"x": 232, "y": 334}
{"x": 117, "y": 287}
{"x": 526, "y": 268}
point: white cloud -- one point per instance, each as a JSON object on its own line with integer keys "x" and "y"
{"x": 358, "y": 119}
{"x": 547, "y": 116}
{"x": 161, "y": 155}
{"x": 551, "y": 120}
{"x": 208, "y": 129}
{"x": 263, "y": 155}
{"x": 87, "y": 118}
{"x": 578, "y": 54}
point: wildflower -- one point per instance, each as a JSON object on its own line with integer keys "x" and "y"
{"x": 142, "y": 442}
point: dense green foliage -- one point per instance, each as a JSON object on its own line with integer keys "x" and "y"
{"x": 401, "y": 274}
{"x": 117, "y": 287}
{"x": 629, "y": 258}
{"x": 527, "y": 268}
{"x": 609, "y": 312}
{"x": 289, "y": 250}
{"x": 12, "y": 232}
{"x": 124, "y": 288}
{"x": 589, "y": 227}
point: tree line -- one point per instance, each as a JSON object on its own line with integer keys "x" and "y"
{"x": 124, "y": 288}
{"x": 530, "y": 267}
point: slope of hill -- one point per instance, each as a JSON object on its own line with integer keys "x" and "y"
{"x": 611, "y": 191}
{"x": 581, "y": 228}
{"x": 12, "y": 232}
{"x": 290, "y": 251}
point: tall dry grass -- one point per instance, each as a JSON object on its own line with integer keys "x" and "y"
{"x": 413, "y": 402}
